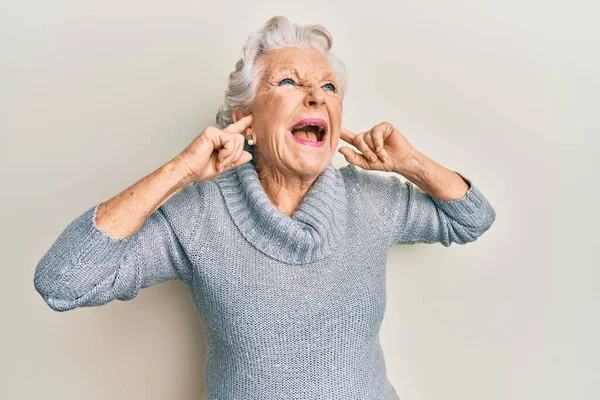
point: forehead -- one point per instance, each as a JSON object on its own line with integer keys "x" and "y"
{"x": 304, "y": 63}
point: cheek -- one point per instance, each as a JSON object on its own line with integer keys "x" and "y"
{"x": 277, "y": 109}
{"x": 336, "y": 107}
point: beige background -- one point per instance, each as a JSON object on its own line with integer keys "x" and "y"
{"x": 97, "y": 94}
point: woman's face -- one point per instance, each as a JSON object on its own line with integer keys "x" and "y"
{"x": 295, "y": 84}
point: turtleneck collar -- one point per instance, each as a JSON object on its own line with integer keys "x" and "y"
{"x": 313, "y": 231}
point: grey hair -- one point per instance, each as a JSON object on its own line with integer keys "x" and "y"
{"x": 278, "y": 32}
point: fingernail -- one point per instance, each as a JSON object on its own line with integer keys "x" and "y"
{"x": 377, "y": 148}
{"x": 373, "y": 159}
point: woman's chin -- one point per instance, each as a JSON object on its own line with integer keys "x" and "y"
{"x": 311, "y": 165}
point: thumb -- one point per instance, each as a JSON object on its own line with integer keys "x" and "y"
{"x": 244, "y": 158}
{"x": 352, "y": 157}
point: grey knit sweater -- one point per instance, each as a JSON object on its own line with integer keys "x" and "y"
{"x": 290, "y": 306}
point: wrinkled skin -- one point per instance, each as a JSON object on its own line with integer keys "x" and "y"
{"x": 286, "y": 168}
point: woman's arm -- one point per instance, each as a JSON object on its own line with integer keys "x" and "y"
{"x": 421, "y": 218}
{"x": 438, "y": 205}
{"x": 132, "y": 241}
{"x": 126, "y": 243}
{"x": 124, "y": 214}
{"x": 406, "y": 214}
{"x": 433, "y": 178}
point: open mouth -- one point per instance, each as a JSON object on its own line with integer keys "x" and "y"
{"x": 309, "y": 132}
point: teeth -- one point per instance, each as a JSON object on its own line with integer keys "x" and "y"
{"x": 321, "y": 129}
{"x": 309, "y": 134}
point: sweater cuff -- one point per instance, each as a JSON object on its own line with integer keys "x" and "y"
{"x": 94, "y": 245}
{"x": 81, "y": 255}
{"x": 472, "y": 202}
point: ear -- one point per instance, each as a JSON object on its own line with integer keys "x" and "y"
{"x": 237, "y": 114}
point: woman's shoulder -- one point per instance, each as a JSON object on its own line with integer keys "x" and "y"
{"x": 191, "y": 203}
{"x": 371, "y": 192}
{"x": 193, "y": 192}
{"x": 373, "y": 197}
{"x": 370, "y": 182}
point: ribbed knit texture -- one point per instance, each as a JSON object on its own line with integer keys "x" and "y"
{"x": 291, "y": 307}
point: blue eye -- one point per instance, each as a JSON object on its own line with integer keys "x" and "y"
{"x": 333, "y": 89}
{"x": 287, "y": 79}
{"x": 332, "y": 86}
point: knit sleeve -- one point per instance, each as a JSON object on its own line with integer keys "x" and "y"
{"x": 410, "y": 215}
{"x": 87, "y": 267}
{"x": 421, "y": 218}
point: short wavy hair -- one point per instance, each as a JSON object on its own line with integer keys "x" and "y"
{"x": 278, "y": 32}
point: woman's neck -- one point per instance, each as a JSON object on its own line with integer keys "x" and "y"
{"x": 285, "y": 192}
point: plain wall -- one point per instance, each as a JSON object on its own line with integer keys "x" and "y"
{"x": 97, "y": 94}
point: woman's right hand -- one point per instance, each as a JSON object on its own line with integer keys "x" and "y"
{"x": 215, "y": 151}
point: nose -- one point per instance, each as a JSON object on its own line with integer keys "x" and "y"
{"x": 315, "y": 96}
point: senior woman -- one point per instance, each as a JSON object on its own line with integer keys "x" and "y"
{"x": 284, "y": 255}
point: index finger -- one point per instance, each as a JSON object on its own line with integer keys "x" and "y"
{"x": 240, "y": 125}
{"x": 347, "y": 135}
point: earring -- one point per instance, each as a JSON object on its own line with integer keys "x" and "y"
{"x": 250, "y": 141}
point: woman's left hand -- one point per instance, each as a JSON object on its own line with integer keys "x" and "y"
{"x": 383, "y": 148}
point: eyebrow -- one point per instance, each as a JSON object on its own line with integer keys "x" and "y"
{"x": 328, "y": 75}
